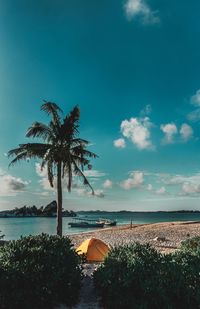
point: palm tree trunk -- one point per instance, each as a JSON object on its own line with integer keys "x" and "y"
{"x": 59, "y": 203}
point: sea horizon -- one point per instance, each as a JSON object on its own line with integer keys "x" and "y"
{"x": 15, "y": 227}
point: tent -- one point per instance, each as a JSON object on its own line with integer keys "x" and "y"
{"x": 94, "y": 249}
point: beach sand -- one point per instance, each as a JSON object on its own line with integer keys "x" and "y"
{"x": 165, "y": 236}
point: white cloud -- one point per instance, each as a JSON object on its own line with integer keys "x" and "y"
{"x": 135, "y": 180}
{"x": 77, "y": 186}
{"x": 190, "y": 188}
{"x": 84, "y": 192}
{"x": 39, "y": 172}
{"x": 2, "y": 172}
{"x": 44, "y": 182}
{"x": 181, "y": 179}
{"x": 170, "y": 130}
{"x": 108, "y": 184}
{"x": 194, "y": 115}
{"x": 88, "y": 173}
{"x": 94, "y": 173}
{"x": 173, "y": 180}
{"x": 139, "y": 8}
{"x": 45, "y": 193}
{"x": 99, "y": 193}
{"x": 189, "y": 184}
{"x": 138, "y": 131}
{"x": 186, "y": 132}
{"x": 161, "y": 191}
{"x": 195, "y": 99}
{"x": 10, "y": 185}
{"x": 120, "y": 143}
{"x": 149, "y": 187}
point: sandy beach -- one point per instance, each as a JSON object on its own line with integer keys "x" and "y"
{"x": 165, "y": 236}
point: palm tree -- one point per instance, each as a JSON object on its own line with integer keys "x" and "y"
{"x": 62, "y": 152}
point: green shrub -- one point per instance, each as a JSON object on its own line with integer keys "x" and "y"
{"x": 183, "y": 283}
{"x": 39, "y": 272}
{"x": 137, "y": 276}
{"x": 180, "y": 280}
{"x": 192, "y": 245}
{"x": 129, "y": 277}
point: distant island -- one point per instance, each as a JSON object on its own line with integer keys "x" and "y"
{"x": 135, "y": 211}
{"x": 50, "y": 210}
{"x": 32, "y": 211}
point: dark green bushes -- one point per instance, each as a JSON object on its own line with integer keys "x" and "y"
{"x": 191, "y": 245}
{"x": 39, "y": 272}
{"x": 137, "y": 276}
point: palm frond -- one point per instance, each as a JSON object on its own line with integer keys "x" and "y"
{"x": 70, "y": 125}
{"x": 67, "y": 171}
{"x": 75, "y": 114}
{"x": 48, "y": 163}
{"x": 52, "y": 109}
{"x": 14, "y": 152}
{"x": 18, "y": 158}
{"x": 39, "y": 129}
{"x": 28, "y": 151}
{"x": 69, "y": 184}
{"x": 56, "y": 129}
{"x": 79, "y": 142}
{"x": 78, "y": 172}
{"x": 50, "y": 173}
{"x": 81, "y": 151}
{"x": 80, "y": 161}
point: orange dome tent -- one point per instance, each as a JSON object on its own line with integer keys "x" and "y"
{"x": 94, "y": 249}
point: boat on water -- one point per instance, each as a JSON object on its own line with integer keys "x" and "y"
{"x": 86, "y": 223}
{"x": 94, "y": 223}
{"x": 108, "y": 222}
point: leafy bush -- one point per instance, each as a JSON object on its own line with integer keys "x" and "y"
{"x": 185, "y": 280}
{"x": 128, "y": 276}
{"x": 39, "y": 272}
{"x": 180, "y": 280}
{"x": 192, "y": 245}
{"x": 137, "y": 276}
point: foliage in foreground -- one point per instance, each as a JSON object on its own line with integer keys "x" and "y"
{"x": 137, "y": 276}
{"x": 191, "y": 245}
{"x": 39, "y": 272}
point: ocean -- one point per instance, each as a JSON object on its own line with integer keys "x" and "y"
{"x": 13, "y": 228}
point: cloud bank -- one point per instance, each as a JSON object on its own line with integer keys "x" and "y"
{"x": 139, "y": 8}
{"x": 108, "y": 184}
{"x": 195, "y": 101}
{"x": 138, "y": 131}
{"x": 135, "y": 180}
{"x": 10, "y": 185}
{"x": 171, "y": 131}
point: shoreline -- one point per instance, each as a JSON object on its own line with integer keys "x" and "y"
{"x": 164, "y": 236}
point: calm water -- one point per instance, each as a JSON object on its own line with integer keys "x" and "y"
{"x": 13, "y": 228}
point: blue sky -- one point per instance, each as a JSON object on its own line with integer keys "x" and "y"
{"x": 133, "y": 67}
